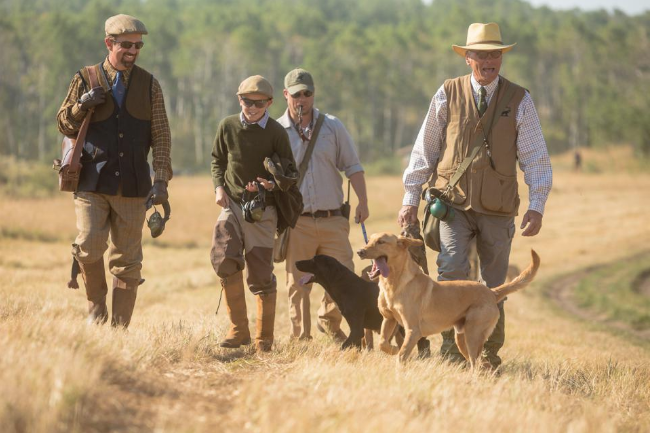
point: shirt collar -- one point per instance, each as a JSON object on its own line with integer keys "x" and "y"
{"x": 285, "y": 119}
{"x": 261, "y": 122}
{"x": 112, "y": 72}
{"x": 490, "y": 88}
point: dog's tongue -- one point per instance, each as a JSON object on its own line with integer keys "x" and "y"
{"x": 306, "y": 279}
{"x": 379, "y": 266}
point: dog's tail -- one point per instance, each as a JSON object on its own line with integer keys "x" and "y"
{"x": 521, "y": 281}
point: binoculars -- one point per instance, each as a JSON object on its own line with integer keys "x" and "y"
{"x": 437, "y": 206}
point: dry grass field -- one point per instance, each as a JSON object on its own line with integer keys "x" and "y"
{"x": 167, "y": 373}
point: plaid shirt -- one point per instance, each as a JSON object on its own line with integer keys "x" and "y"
{"x": 70, "y": 117}
{"x": 531, "y": 148}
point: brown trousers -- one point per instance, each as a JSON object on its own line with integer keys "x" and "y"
{"x": 101, "y": 215}
{"x": 237, "y": 244}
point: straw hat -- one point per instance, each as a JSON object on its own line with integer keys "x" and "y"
{"x": 483, "y": 37}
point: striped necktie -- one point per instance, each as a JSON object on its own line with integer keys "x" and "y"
{"x": 482, "y": 101}
{"x": 118, "y": 89}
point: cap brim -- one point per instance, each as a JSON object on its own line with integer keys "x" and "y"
{"x": 298, "y": 87}
{"x": 461, "y": 50}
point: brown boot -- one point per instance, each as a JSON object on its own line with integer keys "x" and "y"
{"x": 94, "y": 278}
{"x": 238, "y": 334}
{"x": 265, "y": 321}
{"x": 124, "y": 293}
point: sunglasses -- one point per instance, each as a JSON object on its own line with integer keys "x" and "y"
{"x": 485, "y": 54}
{"x": 305, "y": 93}
{"x": 259, "y": 103}
{"x": 127, "y": 44}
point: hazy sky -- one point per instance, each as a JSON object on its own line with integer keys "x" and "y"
{"x": 630, "y": 7}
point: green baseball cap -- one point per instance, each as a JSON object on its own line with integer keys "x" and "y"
{"x": 298, "y": 80}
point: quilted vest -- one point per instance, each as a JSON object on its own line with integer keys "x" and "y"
{"x": 118, "y": 140}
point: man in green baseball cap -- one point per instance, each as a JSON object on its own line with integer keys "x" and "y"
{"x": 323, "y": 228}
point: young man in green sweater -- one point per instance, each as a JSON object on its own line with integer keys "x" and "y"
{"x": 242, "y": 143}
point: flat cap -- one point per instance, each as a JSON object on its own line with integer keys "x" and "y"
{"x": 256, "y": 84}
{"x": 298, "y": 80}
{"x": 124, "y": 24}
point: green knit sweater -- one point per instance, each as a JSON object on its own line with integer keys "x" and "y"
{"x": 238, "y": 154}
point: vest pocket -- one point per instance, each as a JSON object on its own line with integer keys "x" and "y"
{"x": 498, "y": 192}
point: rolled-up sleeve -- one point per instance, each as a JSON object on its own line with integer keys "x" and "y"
{"x": 347, "y": 158}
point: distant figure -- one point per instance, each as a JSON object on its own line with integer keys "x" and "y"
{"x": 577, "y": 160}
{"x": 461, "y": 117}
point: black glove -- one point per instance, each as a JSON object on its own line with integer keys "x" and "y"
{"x": 94, "y": 97}
{"x": 158, "y": 193}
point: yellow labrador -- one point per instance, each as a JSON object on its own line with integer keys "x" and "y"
{"x": 424, "y": 307}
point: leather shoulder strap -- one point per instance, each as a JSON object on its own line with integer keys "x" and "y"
{"x": 310, "y": 149}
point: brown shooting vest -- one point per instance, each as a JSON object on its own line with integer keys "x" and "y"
{"x": 481, "y": 188}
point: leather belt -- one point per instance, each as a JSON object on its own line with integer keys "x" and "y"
{"x": 322, "y": 213}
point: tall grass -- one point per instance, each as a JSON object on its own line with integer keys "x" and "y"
{"x": 168, "y": 374}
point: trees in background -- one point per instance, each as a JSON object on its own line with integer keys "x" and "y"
{"x": 376, "y": 64}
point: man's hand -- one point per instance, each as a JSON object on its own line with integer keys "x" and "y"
{"x": 93, "y": 97}
{"x": 361, "y": 213}
{"x": 533, "y": 220}
{"x": 222, "y": 198}
{"x": 158, "y": 193}
{"x": 407, "y": 215}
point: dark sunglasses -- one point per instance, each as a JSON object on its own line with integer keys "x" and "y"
{"x": 485, "y": 54}
{"x": 259, "y": 103}
{"x": 127, "y": 44}
{"x": 305, "y": 93}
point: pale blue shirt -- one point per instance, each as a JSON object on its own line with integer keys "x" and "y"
{"x": 334, "y": 153}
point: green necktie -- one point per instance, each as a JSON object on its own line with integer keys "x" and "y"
{"x": 482, "y": 101}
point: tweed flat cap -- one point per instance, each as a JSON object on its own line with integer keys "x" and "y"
{"x": 256, "y": 84}
{"x": 124, "y": 24}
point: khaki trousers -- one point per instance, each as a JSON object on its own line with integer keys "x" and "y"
{"x": 101, "y": 215}
{"x": 312, "y": 236}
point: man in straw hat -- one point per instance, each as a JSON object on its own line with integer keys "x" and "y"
{"x": 243, "y": 235}
{"x": 486, "y": 113}
{"x": 129, "y": 119}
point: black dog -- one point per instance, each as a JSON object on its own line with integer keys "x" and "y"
{"x": 355, "y": 297}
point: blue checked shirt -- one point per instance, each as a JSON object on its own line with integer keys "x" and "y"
{"x": 531, "y": 148}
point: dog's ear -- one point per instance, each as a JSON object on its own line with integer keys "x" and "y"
{"x": 404, "y": 242}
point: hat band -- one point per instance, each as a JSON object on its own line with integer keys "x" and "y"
{"x": 485, "y": 42}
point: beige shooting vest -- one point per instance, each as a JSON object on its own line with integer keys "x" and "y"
{"x": 481, "y": 188}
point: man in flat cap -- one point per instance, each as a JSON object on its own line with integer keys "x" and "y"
{"x": 128, "y": 121}
{"x": 245, "y": 229}
{"x": 322, "y": 228}
{"x": 478, "y": 126}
